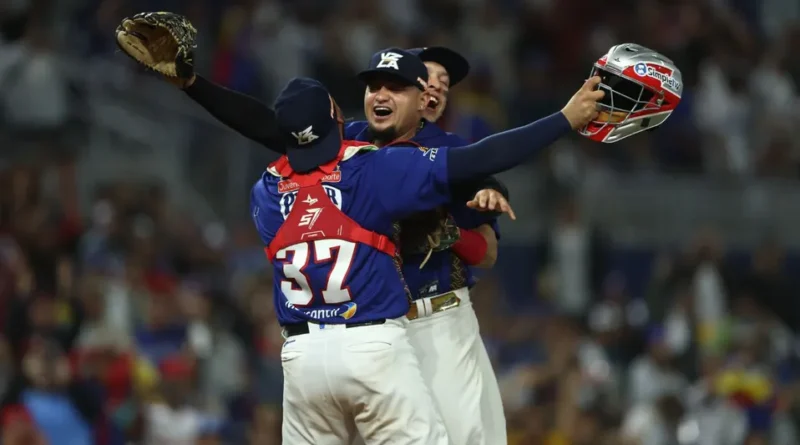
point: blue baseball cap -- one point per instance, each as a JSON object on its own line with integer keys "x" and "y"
{"x": 455, "y": 64}
{"x": 306, "y": 119}
{"x": 399, "y": 65}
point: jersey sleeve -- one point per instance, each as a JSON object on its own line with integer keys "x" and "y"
{"x": 468, "y": 218}
{"x": 407, "y": 180}
{"x": 246, "y": 115}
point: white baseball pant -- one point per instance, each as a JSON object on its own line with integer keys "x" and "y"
{"x": 340, "y": 383}
{"x": 457, "y": 368}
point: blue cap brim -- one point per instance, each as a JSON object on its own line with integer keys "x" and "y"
{"x": 318, "y": 153}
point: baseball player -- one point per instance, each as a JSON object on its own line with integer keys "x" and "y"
{"x": 326, "y": 210}
{"x": 443, "y": 326}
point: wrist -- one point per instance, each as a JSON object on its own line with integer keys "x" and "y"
{"x": 571, "y": 122}
{"x": 471, "y": 247}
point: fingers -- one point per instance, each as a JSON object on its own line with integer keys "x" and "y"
{"x": 591, "y": 95}
{"x": 480, "y": 201}
{"x": 493, "y": 201}
{"x": 583, "y": 108}
{"x": 505, "y": 207}
{"x": 483, "y": 200}
{"x": 596, "y": 95}
{"x": 591, "y": 83}
{"x": 511, "y": 214}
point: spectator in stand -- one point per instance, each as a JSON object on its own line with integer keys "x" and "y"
{"x": 173, "y": 418}
{"x": 163, "y": 333}
{"x": 61, "y": 405}
{"x": 18, "y": 427}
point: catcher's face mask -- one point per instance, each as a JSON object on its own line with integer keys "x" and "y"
{"x": 642, "y": 89}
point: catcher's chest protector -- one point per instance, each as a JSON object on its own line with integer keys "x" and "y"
{"x": 314, "y": 216}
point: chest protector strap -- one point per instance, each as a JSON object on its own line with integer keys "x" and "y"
{"x": 314, "y": 216}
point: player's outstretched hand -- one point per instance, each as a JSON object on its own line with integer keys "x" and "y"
{"x": 490, "y": 200}
{"x": 582, "y": 108}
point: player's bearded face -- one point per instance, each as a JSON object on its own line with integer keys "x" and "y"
{"x": 438, "y": 89}
{"x": 393, "y": 110}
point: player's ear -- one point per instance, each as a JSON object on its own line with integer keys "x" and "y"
{"x": 339, "y": 117}
{"x": 338, "y": 114}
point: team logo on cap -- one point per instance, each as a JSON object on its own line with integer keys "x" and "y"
{"x": 306, "y": 136}
{"x": 640, "y": 69}
{"x": 389, "y": 60}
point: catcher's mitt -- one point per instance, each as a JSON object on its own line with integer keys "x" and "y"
{"x": 161, "y": 41}
{"x": 427, "y": 232}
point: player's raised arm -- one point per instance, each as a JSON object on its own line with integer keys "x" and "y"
{"x": 165, "y": 43}
{"x": 468, "y": 191}
{"x": 246, "y": 115}
{"x": 508, "y": 149}
{"x": 407, "y": 180}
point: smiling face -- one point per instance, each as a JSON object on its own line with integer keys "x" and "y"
{"x": 438, "y": 89}
{"x": 393, "y": 109}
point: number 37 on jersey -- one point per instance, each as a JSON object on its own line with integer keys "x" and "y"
{"x": 331, "y": 256}
{"x": 301, "y": 259}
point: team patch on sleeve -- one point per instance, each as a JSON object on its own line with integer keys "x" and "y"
{"x": 429, "y": 153}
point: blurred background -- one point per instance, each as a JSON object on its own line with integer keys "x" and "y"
{"x": 646, "y": 295}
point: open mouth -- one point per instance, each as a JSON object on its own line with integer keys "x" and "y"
{"x": 433, "y": 104}
{"x": 382, "y": 111}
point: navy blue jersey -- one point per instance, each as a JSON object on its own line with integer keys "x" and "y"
{"x": 330, "y": 281}
{"x": 443, "y": 271}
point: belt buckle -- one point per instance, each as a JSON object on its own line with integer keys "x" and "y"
{"x": 438, "y": 304}
{"x": 445, "y": 302}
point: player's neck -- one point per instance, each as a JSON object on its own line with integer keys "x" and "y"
{"x": 406, "y": 136}
{"x": 409, "y": 134}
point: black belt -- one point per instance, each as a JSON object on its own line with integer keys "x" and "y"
{"x": 302, "y": 328}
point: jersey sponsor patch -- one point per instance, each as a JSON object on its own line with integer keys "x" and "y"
{"x": 346, "y": 311}
{"x": 288, "y": 186}
{"x": 288, "y": 199}
{"x": 335, "y": 176}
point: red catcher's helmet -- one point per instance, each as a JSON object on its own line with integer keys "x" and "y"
{"x": 642, "y": 89}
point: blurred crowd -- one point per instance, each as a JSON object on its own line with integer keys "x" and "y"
{"x": 736, "y": 117}
{"x": 129, "y": 323}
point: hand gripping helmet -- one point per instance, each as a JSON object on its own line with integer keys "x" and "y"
{"x": 642, "y": 89}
